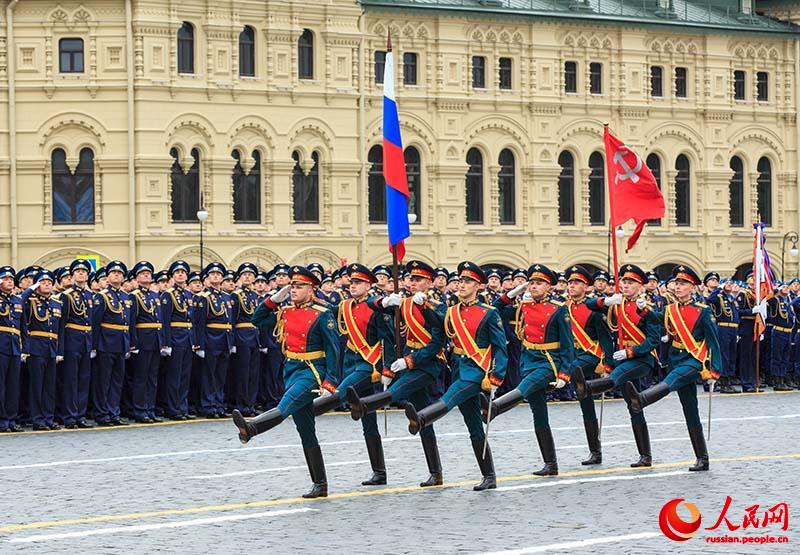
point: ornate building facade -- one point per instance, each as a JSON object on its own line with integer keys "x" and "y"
{"x": 122, "y": 118}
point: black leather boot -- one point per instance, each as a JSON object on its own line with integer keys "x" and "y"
{"x": 434, "y": 463}
{"x": 548, "y": 449}
{"x": 642, "y": 436}
{"x": 326, "y": 404}
{"x": 365, "y": 405}
{"x": 599, "y": 385}
{"x": 486, "y": 464}
{"x": 700, "y": 450}
{"x": 579, "y": 383}
{"x": 248, "y": 429}
{"x": 376, "y": 460}
{"x": 647, "y": 397}
{"x": 593, "y": 439}
{"x": 502, "y": 404}
{"x": 316, "y": 468}
{"x": 425, "y": 417}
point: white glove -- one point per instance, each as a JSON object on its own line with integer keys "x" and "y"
{"x": 392, "y": 300}
{"x": 385, "y": 381}
{"x": 264, "y": 350}
{"x": 281, "y": 295}
{"x": 324, "y": 393}
{"x": 665, "y": 338}
{"x": 59, "y": 358}
{"x": 559, "y": 383}
{"x": 23, "y": 357}
{"x": 761, "y": 308}
{"x": 711, "y": 384}
{"x": 641, "y": 303}
{"x": 492, "y": 391}
{"x": 616, "y": 298}
{"x": 201, "y": 353}
{"x": 514, "y": 293}
{"x": 134, "y": 351}
{"x": 233, "y": 350}
{"x": 420, "y": 298}
{"x": 398, "y": 365}
{"x": 526, "y": 296}
{"x": 35, "y": 286}
{"x": 92, "y": 354}
{"x": 166, "y": 351}
{"x": 620, "y": 355}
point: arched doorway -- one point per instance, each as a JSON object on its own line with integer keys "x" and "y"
{"x": 741, "y": 270}
{"x": 664, "y": 271}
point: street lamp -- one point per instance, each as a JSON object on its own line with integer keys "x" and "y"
{"x": 791, "y": 236}
{"x": 620, "y": 232}
{"x": 202, "y": 216}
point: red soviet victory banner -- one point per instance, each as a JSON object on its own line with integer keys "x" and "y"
{"x": 632, "y": 190}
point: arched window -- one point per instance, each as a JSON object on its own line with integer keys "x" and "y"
{"x": 247, "y": 52}
{"x": 737, "y": 193}
{"x": 186, "y": 48}
{"x": 682, "y": 191}
{"x": 764, "y": 186}
{"x": 414, "y": 174}
{"x": 506, "y": 182}
{"x": 73, "y": 194}
{"x": 566, "y": 189}
{"x": 597, "y": 193}
{"x": 306, "y": 191}
{"x": 376, "y": 186}
{"x": 247, "y": 190}
{"x": 654, "y": 164}
{"x": 474, "y": 186}
{"x": 305, "y": 55}
{"x": 185, "y": 188}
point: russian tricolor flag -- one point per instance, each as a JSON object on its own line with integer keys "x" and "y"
{"x": 394, "y": 166}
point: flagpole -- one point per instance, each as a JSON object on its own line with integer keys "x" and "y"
{"x": 757, "y": 277}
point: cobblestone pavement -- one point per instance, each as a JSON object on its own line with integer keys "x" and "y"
{"x": 192, "y": 488}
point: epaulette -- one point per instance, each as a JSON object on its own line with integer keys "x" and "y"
{"x": 169, "y": 290}
{"x": 203, "y": 294}
{"x": 67, "y": 290}
{"x": 701, "y": 304}
{"x": 137, "y": 292}
{"x": 319, "y": 306}
{"x": 557, "y": 302}
{"x": 56, "y": 299}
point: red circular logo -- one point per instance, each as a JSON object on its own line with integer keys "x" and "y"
{"x": 673, "y": 526}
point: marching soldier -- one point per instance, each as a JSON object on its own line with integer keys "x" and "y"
{"x": 600, "y": 280}
{"x": 76, "y": 370}
{"x": 382, "y": 274}
{"x": 306, "y": 331}
{"x": 246, "y": 356}
{"x": 726, "y": 314}
{"x": 408, "y": 377}
{"x": 695, "y": 351}
{"x": 271, "y": 382}
{"x": 176, "y": 312}
{"x": 479, "y": 363}
{"x": 12, "y": 326}
{"x": 214, "y": 336}
{"x": 368, "y": 334}
{"x": 593, "y": 346}
{"x": 635, "y": 357}
{"x": 42, "y": 348}
{"x": 147, "y": 341}
{"x": 111, "y": 343}
{"x": 547, "y": 351}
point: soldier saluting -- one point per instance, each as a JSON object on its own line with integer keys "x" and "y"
{"x": 307, "y": 333}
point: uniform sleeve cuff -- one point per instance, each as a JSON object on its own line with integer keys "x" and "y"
{"x": 494, "y": 380}
{"x": 329, "y": 386}
{"x": 629, "y": 352}
{"x": 563, "y": 376}
{"x": 270, "y": 304}
{"x": 388, "y": 373}
{"x": 409, "y": 362}
{"x": 601, "y": 302}
{"x": 504, "y": 297}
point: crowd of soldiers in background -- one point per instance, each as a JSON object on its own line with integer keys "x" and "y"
{"x": 112, "y": 344}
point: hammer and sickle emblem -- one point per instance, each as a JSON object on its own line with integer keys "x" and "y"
{"x": 629, "y": 173}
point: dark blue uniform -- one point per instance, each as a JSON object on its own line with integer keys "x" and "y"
{"x": 176, "y": 314}
{"x": 747, "y": 353}
{"x": 111, "y": 340}
{"x": 271, "y": 382}
{"x": 726, "y": 313}
{"x": 75, "y": 372}
{"x": 12, "y": 326}
{"x": 246, "y": 359}
{"x": 214, "y": 334}
{"x": 781, "y": 316}
{"x": 41, "y": 341}
{"x": 146, "y": 342}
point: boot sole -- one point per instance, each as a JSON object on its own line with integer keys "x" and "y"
{"x": 413, "y": 424}
{"x": 241, "y": 424}
{"x": 354, "y": 401}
